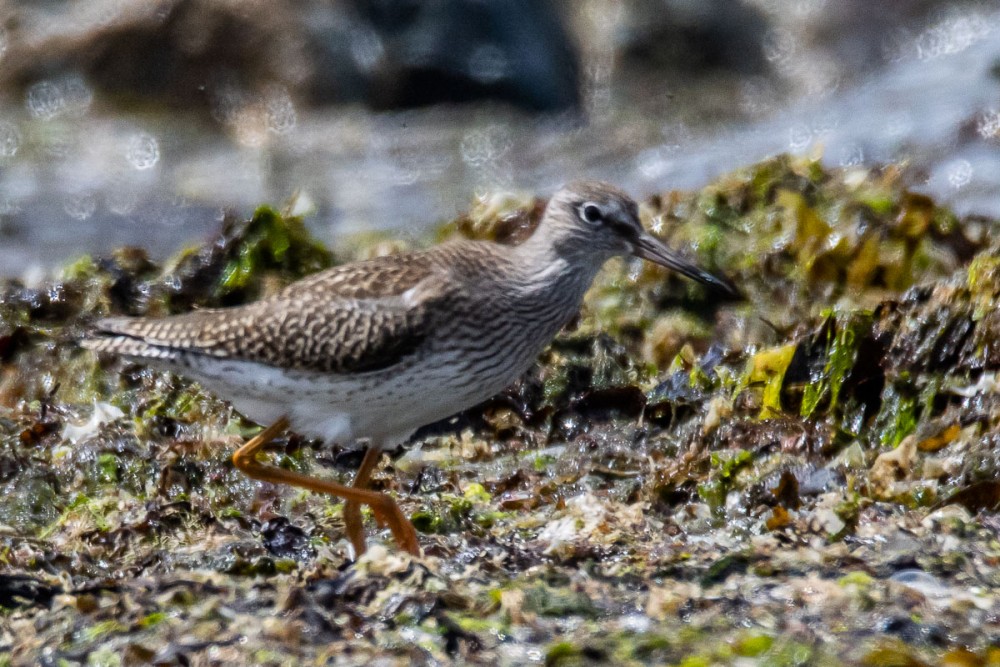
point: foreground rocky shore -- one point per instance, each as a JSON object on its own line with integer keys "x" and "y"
{"x": 808, "y": 475}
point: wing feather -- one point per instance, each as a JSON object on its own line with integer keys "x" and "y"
{"x": 349, "y": 319}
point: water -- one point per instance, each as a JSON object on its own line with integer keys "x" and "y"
{"x": 76, "y": 177}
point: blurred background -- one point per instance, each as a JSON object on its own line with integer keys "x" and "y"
{"x": 141, "y": 121}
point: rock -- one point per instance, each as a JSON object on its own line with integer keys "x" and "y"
{"x": 264, "y": 58}
{"x": 892, "y": 467}
{"x": 693, "y": 36}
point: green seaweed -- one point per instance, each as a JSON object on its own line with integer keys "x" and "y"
{"x": 843, "y": 338}
{"x": 898, "y": 416}
{"x": 271, "y": 242}
{"x": 754, "y": 646}
{"x": 769, "y": 367}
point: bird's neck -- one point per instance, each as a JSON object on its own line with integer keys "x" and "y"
{"x": 549, "y": 274}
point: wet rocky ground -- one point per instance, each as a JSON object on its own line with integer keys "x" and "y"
{"x": 806, "y": 475}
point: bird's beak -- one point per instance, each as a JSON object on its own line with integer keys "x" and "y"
{"x": 649, "y": 247}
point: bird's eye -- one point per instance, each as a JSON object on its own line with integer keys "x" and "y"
{"x": 591, "y": 213}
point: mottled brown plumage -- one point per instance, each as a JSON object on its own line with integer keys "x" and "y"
{"x": 348, "y": 319}
{"x": 377, "y": 349}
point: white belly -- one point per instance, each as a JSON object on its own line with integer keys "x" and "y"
{"x": 384, "y": 406}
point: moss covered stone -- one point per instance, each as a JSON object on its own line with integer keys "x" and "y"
{"x": 679, "y": 480}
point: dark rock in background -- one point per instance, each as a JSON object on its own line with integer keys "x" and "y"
{"x": 713, "y": 34}
{"x": 408, "y": 53}
{"x": 384, "y": 53}
{"x": 392, "y": 54}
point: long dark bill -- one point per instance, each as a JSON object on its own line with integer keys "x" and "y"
{"x": 651, "y": 248}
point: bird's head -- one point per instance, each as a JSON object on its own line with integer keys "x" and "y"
{"x": 593, "y": 221}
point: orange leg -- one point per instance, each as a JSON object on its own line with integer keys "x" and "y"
{"x": 352, "y": 509}
{"x": 385, "y": 508}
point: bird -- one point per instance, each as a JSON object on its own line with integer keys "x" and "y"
{"x": 373, "y": 350}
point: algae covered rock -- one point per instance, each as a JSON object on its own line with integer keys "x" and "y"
{"x": 680, "y": 479}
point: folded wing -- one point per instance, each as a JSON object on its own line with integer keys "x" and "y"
{"x": 349, "y": 319}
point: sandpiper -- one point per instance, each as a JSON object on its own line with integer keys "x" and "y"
{"x": 377, "y": 349}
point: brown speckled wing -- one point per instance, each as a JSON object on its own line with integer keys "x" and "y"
{"x": 349, "y": 319}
